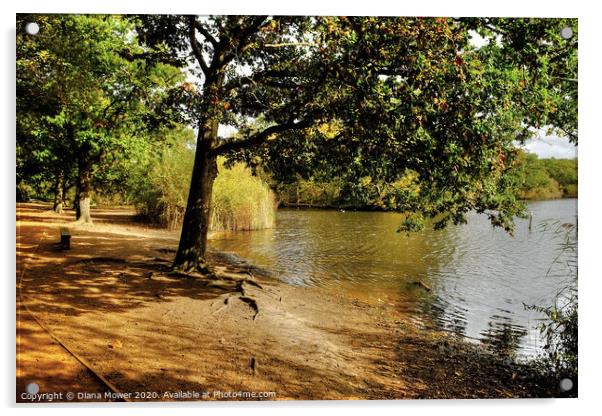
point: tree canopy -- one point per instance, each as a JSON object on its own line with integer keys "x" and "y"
{"x": 377, "y": 97}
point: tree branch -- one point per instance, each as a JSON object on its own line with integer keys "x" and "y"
{"x": 281, "y": 45}
{"x": 195, "y": 45}
{"x": 259, "y": 138}
{"x": 199, "y": 26}
{"x": 242, "y": 40}
{"x": 249, "y": 30}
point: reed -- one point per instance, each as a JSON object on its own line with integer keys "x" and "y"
{"x": 241, "y": 201}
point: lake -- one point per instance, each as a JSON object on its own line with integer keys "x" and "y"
{"x": 480, "y": 277}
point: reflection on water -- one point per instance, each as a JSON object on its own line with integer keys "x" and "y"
{"x": 480, "y": 276}
{"x": 502, "y": 336}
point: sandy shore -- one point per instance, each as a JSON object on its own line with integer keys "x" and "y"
{"x": 112, "y": 301}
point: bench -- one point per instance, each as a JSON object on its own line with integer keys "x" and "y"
{"x": 65, "y": 238}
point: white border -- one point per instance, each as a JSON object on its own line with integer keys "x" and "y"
{"x": 590, "y": 160}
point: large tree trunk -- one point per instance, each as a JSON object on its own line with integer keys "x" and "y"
{"x": 84, "y": 190}
{"x": 197, "y": 218}
{"x": 193, "y": 240}
{"x": 58, "y": 193}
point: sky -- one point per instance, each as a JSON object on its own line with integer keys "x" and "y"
{"x": 551, "y": 147}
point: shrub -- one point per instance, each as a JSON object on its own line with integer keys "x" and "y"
{"x": 547, "y": 178}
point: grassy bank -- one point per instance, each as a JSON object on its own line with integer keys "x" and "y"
{"x": 241, "y": 201}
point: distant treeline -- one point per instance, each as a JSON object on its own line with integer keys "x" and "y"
{"x": 535, "y": 179}
{"x": 548, "y": 178}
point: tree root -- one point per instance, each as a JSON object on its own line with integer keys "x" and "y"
{"x": 225, "y": 305}
{"x": 252, "y": 303}
{"x": 160, "y": 259}
{"x": 252, "y": 283}
{"x": 166, "y": 250}
{"x": 178, "y": 273}
{"x": 187, "y": 270}
{"x": 241, "y": 288}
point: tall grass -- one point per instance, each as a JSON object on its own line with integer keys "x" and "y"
{"x": 240, "y": 200}
{"x": 161, "y": 187}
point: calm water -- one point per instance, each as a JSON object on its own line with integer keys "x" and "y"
{"x": 480, "y": 276}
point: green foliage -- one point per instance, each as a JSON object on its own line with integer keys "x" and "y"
{"x": 366, "y": 194}
{"x": 370, "y": 97}
{"x": 159, "y": 189}
{"x": 85, "y": 96}
{"x": 563, "y": 171}
{"x": 360, "y": 100}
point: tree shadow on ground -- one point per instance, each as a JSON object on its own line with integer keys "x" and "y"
{"x": 123, "y": 272}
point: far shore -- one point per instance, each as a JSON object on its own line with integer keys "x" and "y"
{"x": 113, "y": 301}
{"x": 306, "y": 205}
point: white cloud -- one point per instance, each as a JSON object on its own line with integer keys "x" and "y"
{"x": 551, "y": 146}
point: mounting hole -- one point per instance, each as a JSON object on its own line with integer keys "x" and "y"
{"x": 566, "y": 33}
{"x": 32, "y": 388}
{"x": 566, "y": 384}
{"x": 32, "y": 28}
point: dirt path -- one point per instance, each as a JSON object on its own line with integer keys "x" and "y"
{"x": 112, "y": 300}
{"x": 39, "y": 356}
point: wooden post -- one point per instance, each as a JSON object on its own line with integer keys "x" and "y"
{"x": 65, "y": 238}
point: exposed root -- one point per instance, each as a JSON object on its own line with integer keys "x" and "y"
{"x": 246, "y": 299}
{"x": 160, "y": 259}
{"x": 180, "y": 273}
{"x": 240, "y": 285}
{"x": 206, "y": 269}
{"x": 252, "y": 303}
{"x": 188, "y": 269}
{"x": 252, "y": 283}
{"x": 166, "y": 250}
{"x": 103, "y": 260}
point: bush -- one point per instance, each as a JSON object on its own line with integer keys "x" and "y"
{"x": 547, "y": 178}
